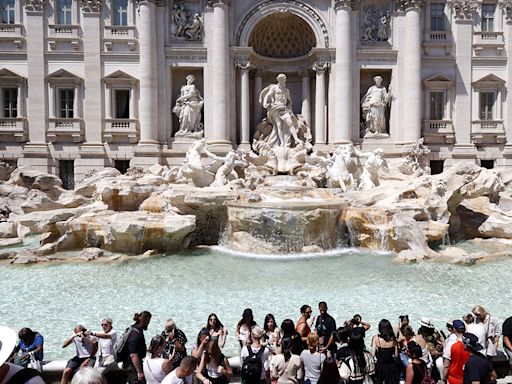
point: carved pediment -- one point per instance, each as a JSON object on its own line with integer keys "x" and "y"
{"x": 489, "y": 81}
{"x": 8, "y": 74}
{"x": 464, "y": 9}
{"x": 63, "y": 74}
{"x": 119, "y": 77}
{"x": 438, "y": 80}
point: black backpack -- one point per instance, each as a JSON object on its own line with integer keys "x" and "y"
{"x": 252, "y": 366}
{"x": 120, "y": 344}
{"x": 24, "y": 375}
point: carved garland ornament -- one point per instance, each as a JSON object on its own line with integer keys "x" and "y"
{"x": 92, "y": 6}
{"x": 403, "y": 5}
{"x": 34, "y": 5}
{"x": 506, "y": 5}
{"x": 464, "y": 9}
{"x": 310, "y": 11}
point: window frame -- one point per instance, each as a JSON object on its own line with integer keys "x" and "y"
{"x": 443, "y": 104}
{"x": 115, "y": 12}
{"x": 16, "y": 109}
{"x": 484, "y": 114}
{"x": 441, "y": 17}
{"x": 65, "y": 12}
{"x": 115, "y": 92}
{"x": 11, "y": 12}
{"x": 484, "y": 26}
{"x": 59, "y": 104}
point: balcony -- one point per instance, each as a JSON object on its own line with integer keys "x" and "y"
{"x": 14, "y": 127}
{"x": 12, "y": 33}
{"x": 488, "y": 132}
{"x": 121, "y": 128}
{"x": 63, "y": 33}
{"x": 440, "y": 41}
{"x": 64, "y": 128}
{"x": 488, "y": 40}
{"x": 120, "y": 35}
{"x": 438, "y": 132}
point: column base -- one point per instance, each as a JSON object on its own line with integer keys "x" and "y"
{"x": 219, "y": 146}
{"x": 182, "y": 143}
{"x": 146, "y": 154}
{"x": 245, "y": 146}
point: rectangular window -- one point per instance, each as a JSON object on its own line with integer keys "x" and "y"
{"x": 437, "y": 105}
{"x": 120, "y": 13}
{"x": 8, "y": 11}
{"x": 66, "y": 103}
{"x": 122, "y": 104}
{"x": 67, "y": 173}
{"x": 487, "y": 100}
{"x": 10, "y": 102}
{"x": 488, "y": 17}
{"x": 437, "y": 16}
{"x": 65, "y": 9}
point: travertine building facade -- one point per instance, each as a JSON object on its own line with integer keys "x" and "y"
{"x": 91, "y": 83}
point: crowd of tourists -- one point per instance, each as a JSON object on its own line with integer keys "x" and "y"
{"x": 313, "y": 350}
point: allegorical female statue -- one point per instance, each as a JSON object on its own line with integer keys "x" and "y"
{"x": 374, "y": 104}
{"x": 188, "y": 109}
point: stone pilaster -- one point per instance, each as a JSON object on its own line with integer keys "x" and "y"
{"x": 341, "y": 132}
{"x": 258, "y": 87}
{"x": 36, "y": 150}
{"x": 245, "y": 116}
{"x": 411, "y": 89}
{"x": 320, "y": 131}
{"x": 147, "y": 151}
{"x": 506, "y": 6}
{"x": 217, "y": 135}
{"x": 92, "y": 150}
{"x": 306, "y": 95}
{"x": 464, "y": 12}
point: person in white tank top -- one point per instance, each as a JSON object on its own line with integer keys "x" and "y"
{"x": 155, "y": 367}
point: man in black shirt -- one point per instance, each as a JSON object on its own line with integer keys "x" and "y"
{"x": 507, "y": 337}
{"x": 136, "y": 348}
{"x": 325, "y": 328}
{"x": 477, "y": 370}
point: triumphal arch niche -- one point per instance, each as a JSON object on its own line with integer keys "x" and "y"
{"x": 290, "y": 38}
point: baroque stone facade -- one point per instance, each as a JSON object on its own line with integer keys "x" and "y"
{"x": 87, "y": 84}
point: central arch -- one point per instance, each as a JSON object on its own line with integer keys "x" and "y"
{"x": 291, "y": 7}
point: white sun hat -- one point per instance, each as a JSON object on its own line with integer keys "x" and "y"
{"x": 8, "y": 338}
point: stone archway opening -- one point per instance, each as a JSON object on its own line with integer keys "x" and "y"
{"x": 282, "y": 35}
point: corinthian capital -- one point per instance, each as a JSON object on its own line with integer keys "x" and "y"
{"x": 243, "y": 64}
{"x": 211, "y": 3}
{"x": 506, "y": 5}
{"x": 352, "y": 4}
{"x": 404, "y": 5}
{"x": 464, "y": 9}
{"x": 34, "y": 5}
{"x": 92, "y": 6}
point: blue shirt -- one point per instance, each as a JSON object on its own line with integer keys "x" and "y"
{"x": 38, "y": 340}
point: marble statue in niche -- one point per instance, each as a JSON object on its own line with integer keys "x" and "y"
{"x": 375, "y": 25}
{"x": 374, "y": 104}
{"x": 188, "y": 109}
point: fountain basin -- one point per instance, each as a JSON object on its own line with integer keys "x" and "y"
{"x": 287, "y": 226}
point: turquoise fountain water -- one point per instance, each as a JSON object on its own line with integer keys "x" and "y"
{"x": 188, "y": 286}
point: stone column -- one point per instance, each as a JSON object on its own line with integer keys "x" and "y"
{"x": 245, "y": 116}
{"x": 258, "y": 87}
{"x": 306, "y": 96}
{"x": 507, "y": 152}
{"x": 35, "y": 153}
{"x": 462, "y": 120}
{"x": 92, "y": 152}
{"x": 320, "y": 137}
{"x": 147, "y": 151}
{"x": 341, "y": 132}
{"x": 218, "y": 134}
{"x": 411, "y": 114}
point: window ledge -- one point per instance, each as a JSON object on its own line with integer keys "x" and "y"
{"x": 60, "y": 127}
{"x": 438, "y": 131}
{"x": 14, "y": 127}
{"x": 123, "y": 128}
{"x": 488, "y": 131}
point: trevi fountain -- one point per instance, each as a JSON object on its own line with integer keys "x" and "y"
{"x": 270, "y": 228}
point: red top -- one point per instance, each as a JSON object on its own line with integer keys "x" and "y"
{"x": 459, "y": 358}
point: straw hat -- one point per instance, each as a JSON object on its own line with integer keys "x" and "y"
{"x": 425, "y": 322}
{"x": 8, "y": 340}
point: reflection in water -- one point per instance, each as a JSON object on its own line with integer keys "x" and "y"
{"x": 187, "y": 287}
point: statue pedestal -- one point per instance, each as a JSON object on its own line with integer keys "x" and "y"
{"x": 182, "y": 143}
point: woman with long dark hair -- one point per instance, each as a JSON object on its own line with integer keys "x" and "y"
{"x": 217, "y": 331}
{"x": 214, "y": 367}
{"x": 288, "y": 330}
{"x": 330, "y": 373}
{"x": 286, "y": 368}
{"x": 244, "y": 327}
{"x": 359, "y": 367}
{"x": 272, "y": 336}
{"x": 155, "y": 367}
{"x": 386, "y": 351}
